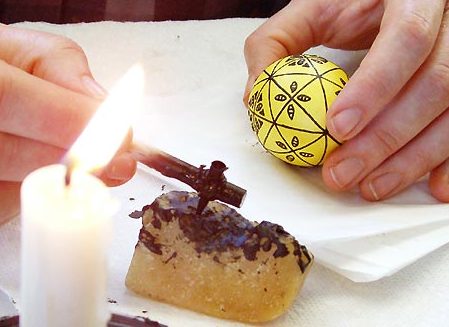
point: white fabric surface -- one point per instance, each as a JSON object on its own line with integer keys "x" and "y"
{"x": 416, "y": 296}
{"x": 195, "y": 79}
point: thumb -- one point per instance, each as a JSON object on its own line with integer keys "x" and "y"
{"x": 53, "y": 58}
{"x": 289, "y": 31}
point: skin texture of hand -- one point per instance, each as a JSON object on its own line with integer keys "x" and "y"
{"x": 393, "y": 114}
{"x": 47, "y": 96}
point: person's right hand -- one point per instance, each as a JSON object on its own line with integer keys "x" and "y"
{"x": 393, "y": 114}
{"x": 47, "y": 96}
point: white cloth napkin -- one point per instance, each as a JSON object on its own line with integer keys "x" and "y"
{"x": 193, "y": 109}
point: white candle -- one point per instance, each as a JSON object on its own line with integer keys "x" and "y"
{"x": 64, "y": 234}
{"x": 65, "y": 227}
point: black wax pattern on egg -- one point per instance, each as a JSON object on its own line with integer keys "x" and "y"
{"x": 286, "y": 106}
{"x": 218, "y": 229}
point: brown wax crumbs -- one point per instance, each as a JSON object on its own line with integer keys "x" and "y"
{"x": 136, "y": 214}
{"x": 265, "y": 289}
{"x": 174, "y": 254}
{"x": 156, "y": 223}
{"x": 240, "y": 271}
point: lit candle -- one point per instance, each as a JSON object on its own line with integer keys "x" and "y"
{"x": 65, "y": 228}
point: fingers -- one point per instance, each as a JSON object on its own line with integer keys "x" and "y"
{"x": 439, "y": 182}
{"x": 36, "y": 109}
{"x": 401, "y": 144}
{"x": 9, "y": 200}
{"x": 20, "y": 156}
{"x": 51, "y": 57}
{"x": 425, "y": 98}
{"x": 419, "y": 157}
{"x": 407, "y": 35}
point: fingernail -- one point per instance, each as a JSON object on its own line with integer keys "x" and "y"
{"x": 120, "y": 168}
{"x": 94, "y": 89}
{"x": 384, "y": 184}
{"x": 346, "y": 171}
{"x": 345, "y": 122}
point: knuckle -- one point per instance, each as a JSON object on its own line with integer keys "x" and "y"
{"x": 72, "y": 46}
{"x": 378, "y": 84}
{"x": 65, "y": 45}
{"x": 439, "y": 78}
{"x": 48, "y": 46}
{"x": 417, "y": 32}
{"x": 422, "y": 160}
{"x": 62, "y": 42}
{"x": 6, "y": 110}
{"x": 251, "y": 42}
{"x": 388, "y": 140}
{"x": 57, "y": 47}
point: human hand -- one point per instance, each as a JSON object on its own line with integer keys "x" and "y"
{"x": 393, "y": 113}
{"x": 47, "y": 96}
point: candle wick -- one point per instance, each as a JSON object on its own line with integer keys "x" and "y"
{"x": 68, "y": 173}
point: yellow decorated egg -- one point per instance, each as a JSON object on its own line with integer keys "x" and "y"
{"x": 288, "y": 105}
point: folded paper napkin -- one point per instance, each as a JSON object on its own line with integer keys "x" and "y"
{"x": 193, "y": 109}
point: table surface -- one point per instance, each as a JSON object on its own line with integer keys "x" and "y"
{"x": 418, "y": 295}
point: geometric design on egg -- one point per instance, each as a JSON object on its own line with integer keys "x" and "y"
{"x": 288, "y": 106}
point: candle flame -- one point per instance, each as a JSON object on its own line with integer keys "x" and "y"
{"x": 110, "y": 124}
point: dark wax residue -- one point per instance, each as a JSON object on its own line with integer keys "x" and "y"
{"x": 125, "y": 321}
{"x": 9, "y": 321}
{"x": 115, "y": 321}
{"x": 138, "y": 213}
{"x": 149, "y": 241}
{"x": 218, "y": 230}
